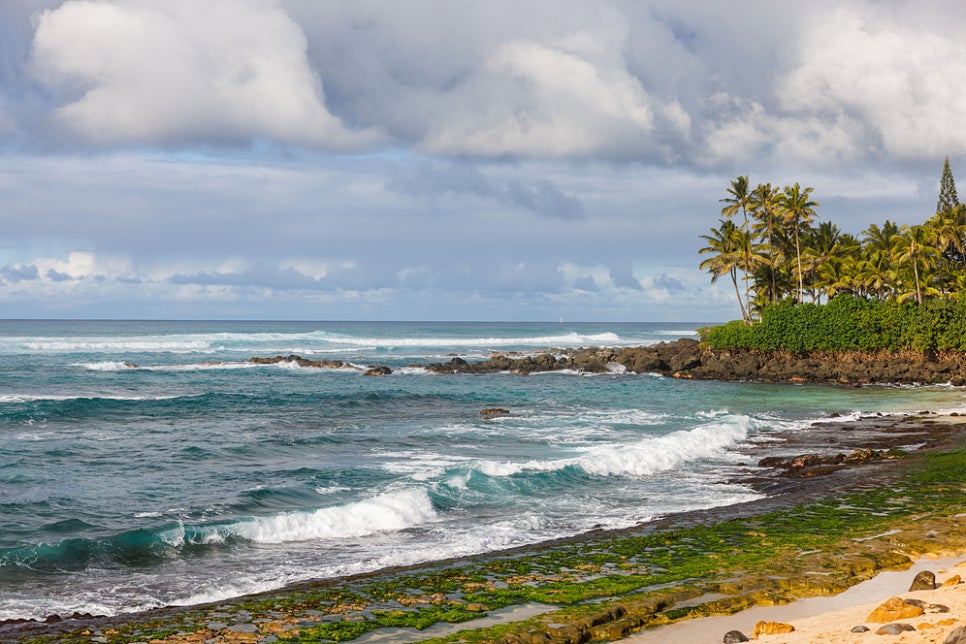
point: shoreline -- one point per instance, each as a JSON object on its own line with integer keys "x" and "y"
{"x": 689, "y": 359}
{"x": 784, "y": 492}
{"x": 825, "y": 617}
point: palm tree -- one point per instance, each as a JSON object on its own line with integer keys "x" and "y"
{"x": 912, "y": 247}
{"x": 739, "y": 199}
{"x": 821, "y": 244}
{"x": 830, "y": 254}
{"x": 764, "y": 208}
{"x": 839, "y": 275}
{"x": 947, "y": 236}
{"x": 797, "y": 210}
{"x": 726, "y": 247}
{"x": 877, "y": 247}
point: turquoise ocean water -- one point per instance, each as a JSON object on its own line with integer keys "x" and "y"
{"x": 148, "y": 463}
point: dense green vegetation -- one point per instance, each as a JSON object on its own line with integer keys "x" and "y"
{"x": 775, "y": 253}
{"x": 849, "y": 323}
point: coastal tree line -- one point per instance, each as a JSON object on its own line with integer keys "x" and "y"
{"x": 769, "y": 246}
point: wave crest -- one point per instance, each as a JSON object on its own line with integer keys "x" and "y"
{"x": 388, "y": 512}
{"x": 645, "y": 458}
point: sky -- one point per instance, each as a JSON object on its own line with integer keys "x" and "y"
{"x": 445, "y": 159}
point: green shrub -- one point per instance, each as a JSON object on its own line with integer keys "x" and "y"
{"x": 849, "y": 323}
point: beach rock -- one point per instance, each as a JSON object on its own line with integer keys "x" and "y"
{"x": 861, "y": 628}
{"x": 616, "y": 630}
{"x": 955, "y": 580}
{"x": 494, "y": 411}
{"x": 893, "y": 609}
{"x": 733, "y": 637}
{"x": 379, "y": 370}
{"x": 895, "y": 629}
{"x": 500, "y": 363}
{"x": 957, "y": 636}
{"x": 927, "y": 607}
{"x": 925, "y": 580}
{"x": 772, "y": 628}
{"x": 570, "y": 635}
{"x": 805, "y": 460}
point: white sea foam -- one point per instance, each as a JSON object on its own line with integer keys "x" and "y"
{"x": 22, "y": 398}
{"x": 411, "y": 371}
{"x": 107, "y": 365}
{"x": 644, "y": 458}
{"x": 563, "y": 340}
{"x": 422, "y": 466}
{"x": 849, "y": 417}
{"x": 118, "y": 345}
{"x": 330, "y": 489}
{"x": 388, "y": 512}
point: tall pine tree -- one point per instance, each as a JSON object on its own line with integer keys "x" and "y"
{"x": 948, "y": 199}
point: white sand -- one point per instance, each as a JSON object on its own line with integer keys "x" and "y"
{"x": 830, "y": 619}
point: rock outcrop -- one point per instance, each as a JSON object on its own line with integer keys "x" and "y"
{"x": 893, "y": 609}
{"x": 302, "y": 362}
{"x": 688, "y": 359}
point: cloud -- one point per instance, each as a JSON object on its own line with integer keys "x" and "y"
{"x": 553, "y": 101}
{"x": 6, "y": 121}
{"x": 895, "y": 70}
{"x": 743, "y": 131}
{"x": 261, "y": 274}
{"x": 498, "y": 79}
{"x": 434, "y": 180}
{"x": 668, "y": 283}
{"x": 18, "y": 273}
{"x": 179, "y": 72}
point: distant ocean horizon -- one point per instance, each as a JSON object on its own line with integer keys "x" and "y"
{"x": 147, "y": 463}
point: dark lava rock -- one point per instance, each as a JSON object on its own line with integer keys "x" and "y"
{"x": 927, "y": 607}
{"x": 957, "y": 636}
{"x": 895, "y": 629}
{"x": 733, "y": 637}
{"x": 925, "y": 580}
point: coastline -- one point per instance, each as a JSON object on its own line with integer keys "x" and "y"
{"x": 690, "y": 359}
{"x": 570, "y": 574}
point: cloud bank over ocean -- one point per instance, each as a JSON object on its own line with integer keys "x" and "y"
{"x": 287, "y": 158}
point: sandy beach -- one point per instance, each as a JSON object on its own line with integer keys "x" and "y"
{"x": 831, "y": 619}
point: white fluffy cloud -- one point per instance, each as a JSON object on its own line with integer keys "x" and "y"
{"x": 654, "y": 81}
{"x": 897, "y": 71}
{"x": 551, "y": 101}
{"x": 222, "y": 71}
{"x": 744, "y": 131}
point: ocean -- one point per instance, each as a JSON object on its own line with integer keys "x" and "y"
{"x": 149, "y": 463}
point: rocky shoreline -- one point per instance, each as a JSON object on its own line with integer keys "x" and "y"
{"x": 687, "y": 358}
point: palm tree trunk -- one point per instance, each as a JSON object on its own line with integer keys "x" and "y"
{"x": 747, "y": 264}
{"x": 798, "y": 255}
{"x": 734, "y": 280}
{"x": 915, "y": 271}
